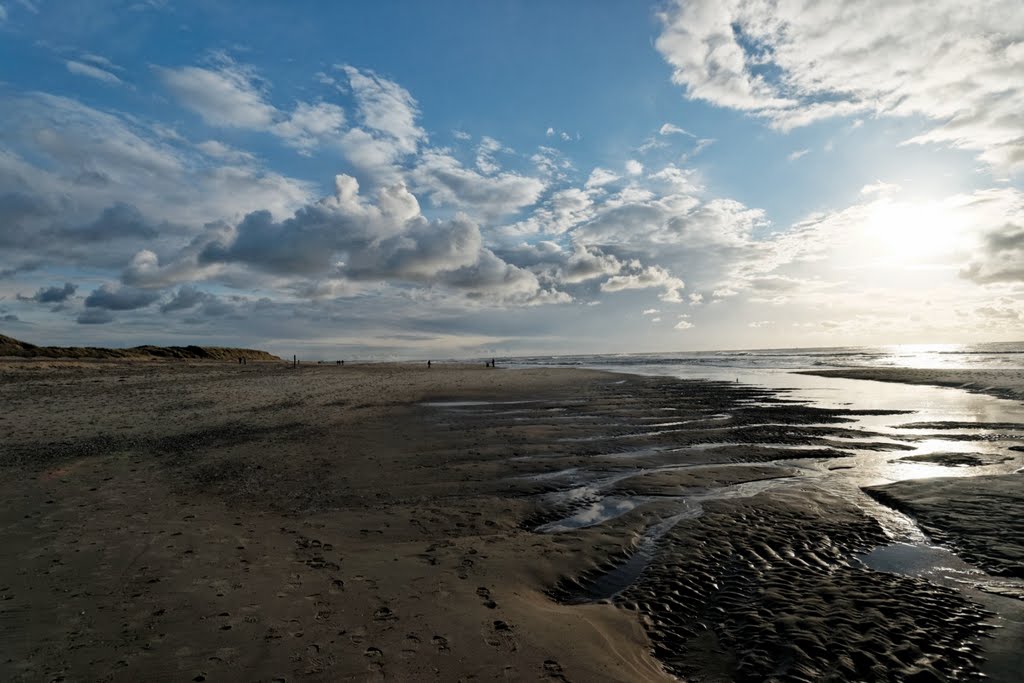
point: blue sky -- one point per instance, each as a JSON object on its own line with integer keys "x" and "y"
{"x": 462, "y": 178}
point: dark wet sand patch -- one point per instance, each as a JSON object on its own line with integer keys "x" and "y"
{"x": 952, "y": 424}
{"x": 764, "y": 588}
{"x": 980, "y": 518}
{"x": 956, "y": 459}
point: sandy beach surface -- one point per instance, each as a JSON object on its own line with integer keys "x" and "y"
{"x": 209, "y": 521}
{"x": 1000, "y": 383}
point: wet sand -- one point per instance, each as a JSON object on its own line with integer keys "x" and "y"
{"x": 982, "y": 518}
{"x": 999, "y": 383}
{"x": 202, "y": 521}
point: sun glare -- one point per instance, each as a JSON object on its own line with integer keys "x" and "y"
{"x": 912, "y": 233}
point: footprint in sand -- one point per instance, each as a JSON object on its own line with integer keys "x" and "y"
{"x": 411, "y": 646}
{"x": 375, "y": 665}
{"x": 464, "y": 567}
{"x": 441, "y": 643}
{"x": 500, "y": 636}
{"x": 357, "y": 635}
{"x": 485, "y": 595}
{"x": 384, "y": 614}
{"x": 553, "y": 670}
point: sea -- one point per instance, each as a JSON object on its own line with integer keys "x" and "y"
{"x": 994, "y": 356}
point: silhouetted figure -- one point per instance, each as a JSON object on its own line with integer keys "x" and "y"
{"x": 492, "y": 363}
{"x": 428, "y": 364}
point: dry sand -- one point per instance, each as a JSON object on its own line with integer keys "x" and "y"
{"x": 208, "y": 521}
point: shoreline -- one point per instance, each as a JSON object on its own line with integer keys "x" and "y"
{"x": 1005, "y": 384}
{"x": 194, "y": 519}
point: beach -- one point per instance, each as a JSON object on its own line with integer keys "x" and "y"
{"x": 179, "y": 520}
{"x": 1007, "y": 383}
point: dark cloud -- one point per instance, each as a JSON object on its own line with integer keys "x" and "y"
{"x": 94, "y": 316}
{"x": 1001, "y": 258}
{"x": 20, "y": 216}
{"x": 345, "y": 237}
{"x": 52, "y": 295}
{"x": 26, "y": 267}
{"x": 186, "y": 297}
{"x": 124, "y": 299}
{"x": 120, "y": 221}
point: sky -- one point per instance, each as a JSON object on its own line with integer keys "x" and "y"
{"x": 464, "y": 179}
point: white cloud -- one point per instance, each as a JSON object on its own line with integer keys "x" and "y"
{"x": 634, "y": 167}
{"x": 880, "y": 188}
{"x": 651, "y": 311}
{"x": 600, "y": 177}
{"x": 227, "y": 96}
{"x": 309, "y": 124}
{"x": 795, "y": 63}
{"x": 94, "y": 72}
{"x": 231, "y": 95}
{"x": 550, "y": 132}
{"x": 646, "y": 278}
{"x": 461, "y": 135}
{"x": 672, "y": 129}
{"x": 219, "y": 150}
{"x": 347, "y": 237}
{"x": 96, "y": 175}
{"x": 793, "y": 156}
{"x": 485, "y": 152}
{"x": 448, "y": 182}
{"x": 386, "y": 108}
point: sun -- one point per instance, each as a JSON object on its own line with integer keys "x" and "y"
{"x": 913, "y": 233}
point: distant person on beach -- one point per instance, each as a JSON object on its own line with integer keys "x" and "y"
{"x": 428, "y": 364}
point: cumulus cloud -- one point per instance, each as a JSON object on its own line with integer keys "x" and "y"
{"x": 52, "y": 295}
{"x": 600, "y": 177}
{"x": 634, "y": 167}
{"x": 646, "y": 278}
{"x": 309, "y": 124}
{"x": 796, "y": 154}
{"x": 347, "y": 236}
{"x": 122, "y": 299}
{"x": 447, "y": 182}
{"x": 73, "y": 176}
{"x": 799, "y": 62}
{"x": 187, "y": 296}
{"x": 91, "y": 71}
